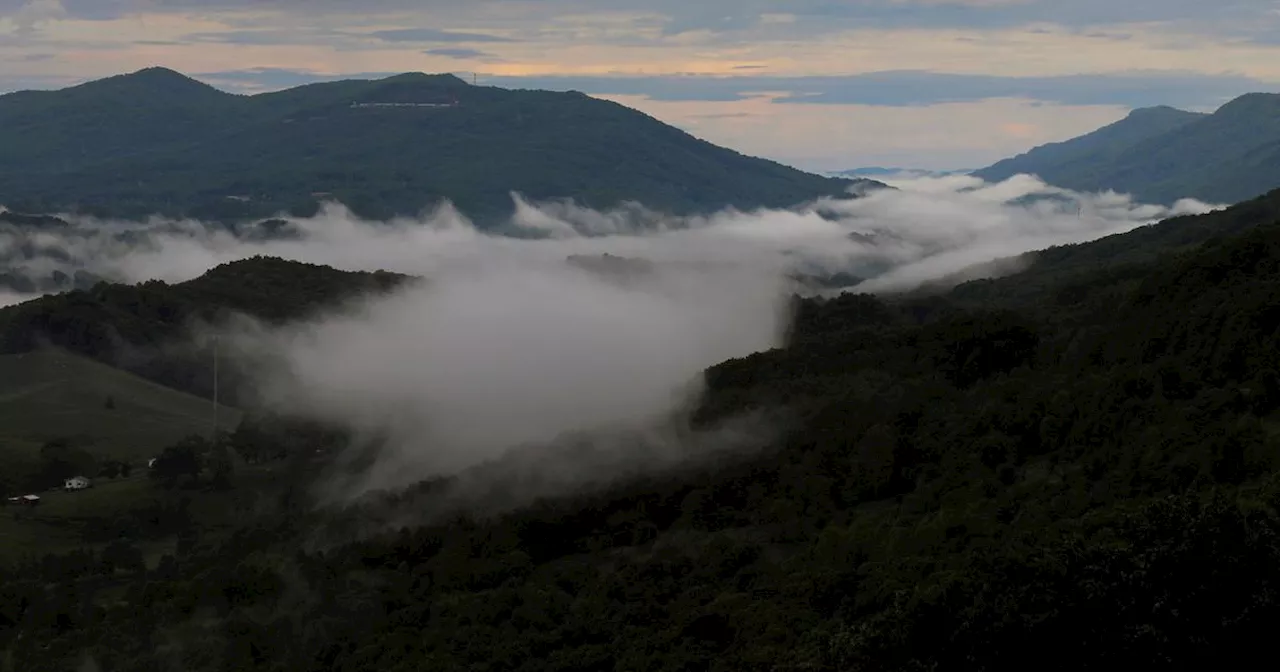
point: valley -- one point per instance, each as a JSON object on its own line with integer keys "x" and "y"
{"x": 677, "y": 408}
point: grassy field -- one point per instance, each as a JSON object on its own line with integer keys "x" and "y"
{"x": 49, "y": 394}
{"x": 58, "y": 524}
{"x": 23, "y": 535}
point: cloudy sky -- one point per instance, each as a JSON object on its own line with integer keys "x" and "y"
{"x": 822, "y": 84}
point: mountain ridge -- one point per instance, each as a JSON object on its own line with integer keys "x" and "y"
{"x": 158, "y": 142}
{"x": 1162, "y": 154}
{"x": 882, "y": 171}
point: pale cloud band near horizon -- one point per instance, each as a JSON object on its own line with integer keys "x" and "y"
{"x": 927, "y": 83}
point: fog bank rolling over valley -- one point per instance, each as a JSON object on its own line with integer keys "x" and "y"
{"x": 503, "y": 343}
{"x": 927, "y": 228}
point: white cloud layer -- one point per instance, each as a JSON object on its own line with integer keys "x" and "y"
{"x": 504, "y": 342}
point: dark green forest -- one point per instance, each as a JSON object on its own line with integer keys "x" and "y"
{"x": 1073, "y": 467}
{"x": 157, "y": 142}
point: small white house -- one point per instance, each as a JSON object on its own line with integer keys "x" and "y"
{"x": 77, "y": 483}
{"x": 151, "y": 463}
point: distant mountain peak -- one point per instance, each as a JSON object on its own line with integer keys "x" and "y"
{"x": 155, "y": 80}
{"x": 157, "y": 71}
{"x": 1160, "y": 110}
{"x": 156, "y": 140}
{"x": 1163, "y": 154}
{"x": 443, "y": 79}
{"x": 161, "y": 75}
{"x": 1250, "y": 104}
{"x": 881, "y": 171}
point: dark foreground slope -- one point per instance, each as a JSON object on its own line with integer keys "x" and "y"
{"x": 157, "y": 142}
{"x": 1160, "y": 154}
{"x": 962, "y": 486}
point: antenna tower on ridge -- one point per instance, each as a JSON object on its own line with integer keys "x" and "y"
{"x": 215, "y": 389}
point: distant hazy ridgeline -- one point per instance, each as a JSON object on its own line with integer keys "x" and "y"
{"x": 156, "y": 141}
{"x": 1160, "y": 154}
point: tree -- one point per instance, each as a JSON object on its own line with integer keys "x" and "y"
{"x": 218, "y": 463}
{"x": 60, "y": 459}
{"x": 110, "y": 469}
{"x": 874, "y": 459}
{"x": 180, "y": 459}
{"x": 121, "y": 554}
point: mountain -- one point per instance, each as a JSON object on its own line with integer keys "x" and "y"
{"x": 1056, "y": 161}
{"x": 1161, "y": 154}
{"x": 157, "y": 141}
{"x": 872, "y": 172}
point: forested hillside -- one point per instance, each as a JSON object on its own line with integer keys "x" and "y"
{"x": 1160, "y": 155}
{"x": 133, "y": 326}
{"x": 155, "y": 141}
{"x": 1078, "y": 475}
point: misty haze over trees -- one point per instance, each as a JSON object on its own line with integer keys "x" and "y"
{"x": 886, "y": 238}
{"x": 953, "y": 425}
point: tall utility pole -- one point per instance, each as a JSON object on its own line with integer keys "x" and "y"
{"x": 215, "y": 389}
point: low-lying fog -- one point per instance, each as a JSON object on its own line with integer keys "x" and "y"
{"x": 505, "y": 343}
